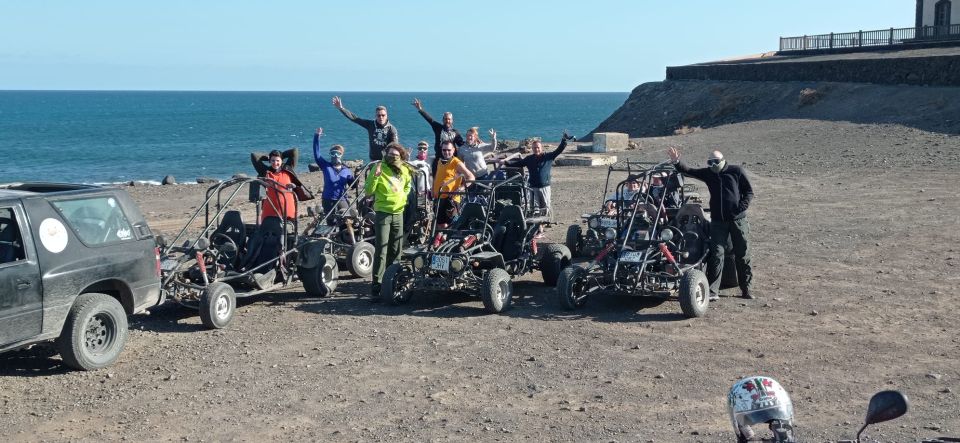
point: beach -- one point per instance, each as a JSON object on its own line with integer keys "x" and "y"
{"x": 856, "y": 253}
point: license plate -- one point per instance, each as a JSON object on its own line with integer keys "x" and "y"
{"x": 168, "y": 264}
{"x": 440, "y": 262}
{"x": 631, "y": 256}
{"x": 608, "y": 223}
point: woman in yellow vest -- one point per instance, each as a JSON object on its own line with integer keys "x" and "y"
{"x": 389, "y": 184}
{"x": 451, "y": 176}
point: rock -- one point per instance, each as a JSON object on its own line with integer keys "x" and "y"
{"x": 353, "y": 164}
{"x": 809, "y": 96}
{"x": 660, "y": 376}
{"x": 240, "y": 175}
{"x": 131, "y": 183}
{"x": 946, "y": 391}
{"x": 313, "y": 167}
{"x": 814, "y": 313}
{"x": 934, "y": 376}
{"x": 207, "y": 180}
{"x": 168, "y": 180}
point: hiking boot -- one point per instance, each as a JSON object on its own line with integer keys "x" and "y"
{"x": 745, "y": 293}
{"x": 374, "y": 293}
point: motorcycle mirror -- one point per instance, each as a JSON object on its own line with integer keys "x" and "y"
{"x": 161, "y": 241}
{"x": 884, "y": 406}
{"x": 203, "y": 243}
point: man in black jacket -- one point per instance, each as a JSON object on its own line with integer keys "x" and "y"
{"x": 442, "y": 132}
{"x": 380, "y": 131}
{"x": 539, "y": 166}
{"x": 730, "y": 196}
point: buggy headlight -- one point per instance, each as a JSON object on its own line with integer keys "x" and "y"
{"x": 594, "y": 223}
{"x": 610, "y": 234}
{"x": 418, "y": 262}
{"x": 457, "y": 264}
{"x": 666, "y": 235}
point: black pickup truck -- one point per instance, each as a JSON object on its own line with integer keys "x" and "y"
{"x": 75, "y": 260}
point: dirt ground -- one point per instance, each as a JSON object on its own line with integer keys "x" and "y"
{"x": 857, "y": 264}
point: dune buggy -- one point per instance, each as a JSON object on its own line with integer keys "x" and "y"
{"x": 655, "y": 251}
{"x": 346, "y": 230}
{"x": 493, "y": 240}
{"x": 229, "y": 259}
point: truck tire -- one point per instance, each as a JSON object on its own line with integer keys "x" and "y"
{"x": 218, "y": 303}
{"x": 321, "y": 280}
{"x": 94, "y": 333}
{"x": 570, "y": 287}
{"x": 694, "y": 293}
{"x": 393, "y": 290}
{"x": 360, "y": 260}
{"x": 496, "y": 290}
{"x": 555, "y": 257}
{"x": 574, "y": 240}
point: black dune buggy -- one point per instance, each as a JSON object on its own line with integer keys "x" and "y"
{"x": 228, "y": 258}
{"x": 346, "y": 231}
{"x": 587, "y": 240}
{"x": 655, "y": 251}
{"x": 493, "y": 240}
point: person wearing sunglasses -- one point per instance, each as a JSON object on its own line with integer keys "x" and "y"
{"x": 380, "y": 131}
{"x": 730, "y": 196}
{"x": 336, "y": 176}
{"x": 452, "y": 176}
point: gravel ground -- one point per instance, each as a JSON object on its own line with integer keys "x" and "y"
{"x": 857, "y": 262}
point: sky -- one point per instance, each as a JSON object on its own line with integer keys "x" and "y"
{"x": 412, "y": 45}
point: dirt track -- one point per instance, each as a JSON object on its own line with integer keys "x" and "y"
{"x": 857, "y": 264}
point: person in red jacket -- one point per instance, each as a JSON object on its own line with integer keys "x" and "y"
{"x": 279, "y": 201}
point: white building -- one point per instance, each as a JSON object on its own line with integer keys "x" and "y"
{"x": 938, "y": 13}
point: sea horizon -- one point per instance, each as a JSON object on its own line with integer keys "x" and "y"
{"x": 107, "y": 136}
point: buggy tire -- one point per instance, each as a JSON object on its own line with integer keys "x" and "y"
{"x": 218, "y": 303}
{"x": 555, "y": 258}
{"x": 391, "y": 291}
{"x": 567, "y": 294}
{"x": 321, "y": 280}
{"x": 496, "y": 292}
{"x": 94, "y": 333}
{"x": 360, "y": 259}
{"x": 574, "y": 240}
{"x": 694, "y": 293}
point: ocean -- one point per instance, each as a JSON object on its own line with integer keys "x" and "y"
{"x": 122, "y": 136}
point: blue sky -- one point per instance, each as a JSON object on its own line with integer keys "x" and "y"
{"x": 375, "y": 45}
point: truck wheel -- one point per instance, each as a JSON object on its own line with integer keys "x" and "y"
{"x": 395, "y": 285}
{"x": 574, "y": 240}
{"x": 555, "y": 258}
{"x": 360, "y": 259}
{"x": 321, "y": 280}
{"x": 496, "y": 290}
{"x": 694, "y": 293}
{"x": 94, "y": 332}
{"x": 217, "y": 305}
{"x": 570, "y": 287}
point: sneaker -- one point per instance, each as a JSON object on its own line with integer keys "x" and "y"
{"x": 714, "y": 296}
{"x": 745, "y": 293}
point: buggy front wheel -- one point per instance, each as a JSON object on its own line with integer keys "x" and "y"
{"x": 360, "y": 259}
{"x": 571, "y": 287}
{"x": 496, "y": 290}
{"x": 320, "y": 280}
{"x": 395, "y": 285}
{"x": 694, "y": 293}
{"x": 217, "y": 305}
{"x": 555, "y": 258}
{"x": 574, "y": 240}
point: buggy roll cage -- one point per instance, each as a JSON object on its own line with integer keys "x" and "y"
{"x": 489, "y": 188}
{"x": 211, "y": 222}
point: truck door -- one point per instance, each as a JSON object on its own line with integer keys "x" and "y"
{"x": 21, "y": 301}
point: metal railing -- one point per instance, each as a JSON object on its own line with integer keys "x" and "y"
{"x": 860, "y": 39}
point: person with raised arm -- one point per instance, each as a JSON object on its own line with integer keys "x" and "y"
{"x": 380, "y": 131}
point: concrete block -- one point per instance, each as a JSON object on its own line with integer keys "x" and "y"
{"x": 610, "y": 141}
{"x": 585, "y": 160}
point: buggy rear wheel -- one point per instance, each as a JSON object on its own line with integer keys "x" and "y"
{"x": 555, "y": 258}
{"x": 321, "y": 280}
{"x": 694, "y": 293}
{"x": 395, "y": 285}
{"x": 496, "y": 290}
{"x": 570, "y": 287}
{"x": 217, "y": 305}
{"x": 574, "y": 240}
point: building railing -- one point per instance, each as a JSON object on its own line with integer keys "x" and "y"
{"x": 859, "y": 39}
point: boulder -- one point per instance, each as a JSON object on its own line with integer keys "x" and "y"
{"x": 313, "y": 167}
{"x": 168, "y": 180}
{"x": 207, "y": 180}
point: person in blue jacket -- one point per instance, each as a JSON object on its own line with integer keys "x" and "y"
{"x": 336, "y": 176}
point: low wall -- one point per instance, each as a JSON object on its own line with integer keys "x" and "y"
{"x": 933, "y": 71}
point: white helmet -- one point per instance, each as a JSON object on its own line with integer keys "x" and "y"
{"x": 759, "y": 399}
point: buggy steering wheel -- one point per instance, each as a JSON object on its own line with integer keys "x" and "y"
{"x": 220, "y": 250}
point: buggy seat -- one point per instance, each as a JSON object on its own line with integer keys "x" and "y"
{"x": 510, "y": 232}
{"x": 265, "y": 244}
